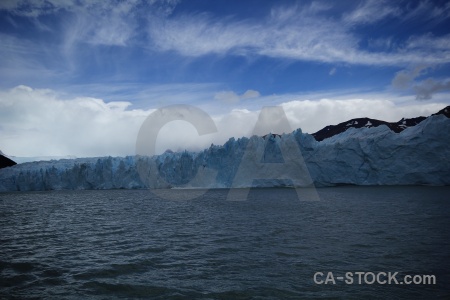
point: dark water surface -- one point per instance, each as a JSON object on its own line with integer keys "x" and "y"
{"x": 132, "y": 244}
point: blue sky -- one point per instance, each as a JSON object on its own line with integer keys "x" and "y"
{"x": 75, "y": 74}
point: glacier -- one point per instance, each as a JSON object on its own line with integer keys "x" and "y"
{"x": 419, "y": 155}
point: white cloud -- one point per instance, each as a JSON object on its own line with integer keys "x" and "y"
{"x": 298, "y": 33}
{"x": 429, "y": 41}
{"x": 110, "y": 22}
{"x": 35, "y": 8}
{"x": 312, "y": 116}
{"x": 179, "y": 135}
{"x": 227, "y": 97}
{"x": 426, "y": 10}
{"x": 371, "y": 11}
{"x": 285, "y": 33}
{"x": 231, "y": 97}
{"x": 24, "y": 59}
{"x": 332, "y": 71}
{"x": 102, "y": 23}
{"x": 249, "y": 94}
{"x": 39, "y": 122}
{"x": 66, "y": 32}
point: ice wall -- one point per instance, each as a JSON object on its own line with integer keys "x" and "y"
{"x": 363, "y": 156}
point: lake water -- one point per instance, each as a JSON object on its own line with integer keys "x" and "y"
{"x": 133, "y": 244}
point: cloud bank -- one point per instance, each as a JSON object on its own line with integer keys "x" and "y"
{"x": 40, "y": 122}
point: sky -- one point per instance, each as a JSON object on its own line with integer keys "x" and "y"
{"x": 79, "y": 77}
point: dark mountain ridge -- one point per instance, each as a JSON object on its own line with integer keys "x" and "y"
{"x": 6, "y": 162}
{"x": 397, "y": 127}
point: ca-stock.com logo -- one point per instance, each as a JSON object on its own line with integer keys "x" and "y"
{"x": 250, "y": 169}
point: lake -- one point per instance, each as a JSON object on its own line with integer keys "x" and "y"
{"x": 107, "y": 244}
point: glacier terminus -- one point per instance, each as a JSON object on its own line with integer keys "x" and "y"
{"x": 418, "y": 155}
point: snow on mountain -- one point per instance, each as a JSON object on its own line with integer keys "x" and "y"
{"x": 399, "y": 126}
{"x": 378, "y": 156}
{"x": 362, "y": 156}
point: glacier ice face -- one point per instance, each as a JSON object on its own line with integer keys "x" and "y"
{"x": 377, "y": 156}
{"x": 364, "y": 156}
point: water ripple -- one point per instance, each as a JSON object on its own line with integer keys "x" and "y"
{"x": 132, "y": 244}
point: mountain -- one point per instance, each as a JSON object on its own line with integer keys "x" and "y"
{"x": 397, "y": 127}
{"x": 445, "y": 111}
{"x": 24, "y": 159}
{"x": 5, "y": 161}
{"x": 367, "y": 155}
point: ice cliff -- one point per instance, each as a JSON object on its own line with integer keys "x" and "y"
{"x": 362, "y": 156}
